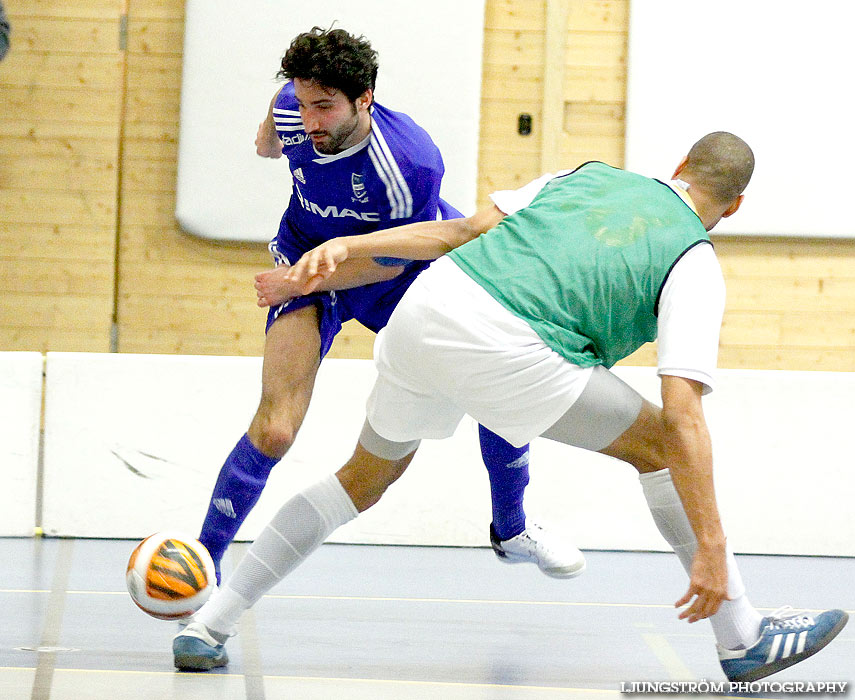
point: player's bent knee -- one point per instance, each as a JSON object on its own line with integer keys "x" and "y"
{"x": 366, "y": 476}
{"x": 272, "y": 438}
{"x": 366, "y": 483}
{"x": 643, "y": 444}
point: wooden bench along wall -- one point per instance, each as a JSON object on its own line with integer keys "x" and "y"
{"x": 88, "y": 130}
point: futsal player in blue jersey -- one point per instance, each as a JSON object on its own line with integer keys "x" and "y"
{"x": 357, "y": 167}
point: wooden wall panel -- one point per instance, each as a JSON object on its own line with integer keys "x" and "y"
{"x": 511, "y": 84}
{"x": 789, "y": 301}
{"x": 51, "y": 70}
{"x": 53, "y": 10}
{"x": 154, "y": 35}
{"x": 26, "y": 241}
{"x": 177, "y": 293}
{"x": 514, "y": 15}
{"x": 63, "y": 34}
{"x": 160, "y": 10}
{"x": 53, "y": 338}
{"x": 59, "y": 138}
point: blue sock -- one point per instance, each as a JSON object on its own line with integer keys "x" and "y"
{"x": 237, "y": 490}
{"x": 508, "y": 469}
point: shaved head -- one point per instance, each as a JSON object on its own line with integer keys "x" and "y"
{"x": 721, "y": 164}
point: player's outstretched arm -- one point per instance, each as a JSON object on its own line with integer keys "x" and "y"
{"x": 426, "y": 240}
{"x": 691, "y": 471}
{"x": 277, "y": 285}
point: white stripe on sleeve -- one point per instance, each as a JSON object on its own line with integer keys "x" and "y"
{"x": 392, "y": 193}
{"x": 395, "y": 172}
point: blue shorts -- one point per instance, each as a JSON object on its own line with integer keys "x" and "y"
{"x": 371, "y": 305}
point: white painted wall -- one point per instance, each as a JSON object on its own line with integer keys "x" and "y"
{"x": 134, "y": 443}
{"x": 774, "y": 73}
{"x": 430, "y": 68}
{"x": 20, "y": 413}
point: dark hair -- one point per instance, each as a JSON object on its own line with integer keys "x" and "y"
{"x": 332, "y": 58}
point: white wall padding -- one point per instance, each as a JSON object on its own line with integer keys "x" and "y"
{"x": 133, "y": 444}
{"x": 430, "y": 68}
{"x": 20, "y": 413}
{"x": 783, "y": 469}
{"x": 771, "y": 72}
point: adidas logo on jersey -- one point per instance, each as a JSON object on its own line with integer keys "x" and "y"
{"x": 298, "y": 173}
{"x": 295, "y": 140}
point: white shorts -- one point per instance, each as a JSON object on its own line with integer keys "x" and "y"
{"x": 451, "y": 349}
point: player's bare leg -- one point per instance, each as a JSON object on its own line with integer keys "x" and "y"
{"x": 298, "y": 529}
{"x": 291, "y": 361}
{"x": 749, "y": 645}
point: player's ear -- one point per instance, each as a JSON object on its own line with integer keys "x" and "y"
{"x": 733, "y": 207}
{"x": 365, "y": 99}
{"x": 680, "y": 167}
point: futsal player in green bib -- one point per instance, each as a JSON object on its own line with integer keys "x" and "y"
{"x": 517, "y": 323}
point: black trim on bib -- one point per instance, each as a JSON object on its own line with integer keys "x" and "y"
{"x": 665, "y": 279}
{"x": 587, "y": 162}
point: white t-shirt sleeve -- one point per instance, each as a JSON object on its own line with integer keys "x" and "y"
{"x": 511, "y": 201}
{"x": 691, "y": 308}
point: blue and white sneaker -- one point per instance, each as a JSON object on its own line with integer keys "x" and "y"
{"x": 196, "y": 648}
{"x": 786, "y": 637}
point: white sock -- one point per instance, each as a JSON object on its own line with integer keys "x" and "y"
{"x": 737, "y": 623}
{"x": 298, "y": 529}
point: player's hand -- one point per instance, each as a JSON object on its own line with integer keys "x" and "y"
{"x": 267, "y": 141}
{"x": 276, "y": 286}
{"x": 707, "y": 585}
{"x": 319, "y": 264}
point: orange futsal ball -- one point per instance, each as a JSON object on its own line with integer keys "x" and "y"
{"x": 170, "y": 575}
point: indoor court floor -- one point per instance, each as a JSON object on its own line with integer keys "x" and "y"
{"x": 383, "y": 623}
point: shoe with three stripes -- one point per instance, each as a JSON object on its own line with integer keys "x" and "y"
{"x": 786, "y": 637}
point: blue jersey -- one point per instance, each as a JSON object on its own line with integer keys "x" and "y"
{"x": 390, "y": 179}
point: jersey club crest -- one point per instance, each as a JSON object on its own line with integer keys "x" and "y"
{"x": 357, "y": 182}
